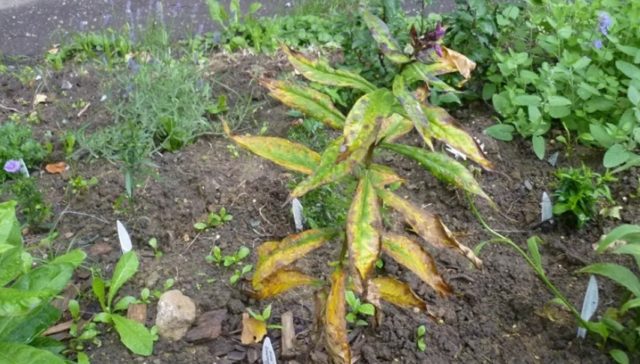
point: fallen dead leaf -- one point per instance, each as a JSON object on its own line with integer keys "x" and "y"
{"x": 56, "y": 168}
{"x": 252, "y": 330}
{"x": 39, "y": 99}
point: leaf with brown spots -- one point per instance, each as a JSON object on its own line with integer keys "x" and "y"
{"x": 398, "y": 293}
{"x": 363, "y": 225}
{"x": 387, "y": 44}
{"x": 282, "y": 281}
{"x": 335, "y": 324}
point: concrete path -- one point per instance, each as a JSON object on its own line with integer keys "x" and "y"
{"x": 30, "y": 27}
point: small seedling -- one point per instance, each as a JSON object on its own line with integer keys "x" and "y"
{"x": 227, "y": 260}
{"x": 153, "y": 243}
{"x": 233, "y": 150}
{"x": 357, "y": 309}
{"x": 214, "y": 220}
{"x": 239, "y": 273}
{"x": 420, "y": 339}
{"x": 81, "y": 185}
{"x": 264, "y": 317}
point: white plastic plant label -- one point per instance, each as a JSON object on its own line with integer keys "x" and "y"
{"x": 268, "y": 355}
{"x": 123, "y": 236}
{"x": 296, "y": 210}
{"x": 589, "y": 305}
{"x": 546, "y": 209}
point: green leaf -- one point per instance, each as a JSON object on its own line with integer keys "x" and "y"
{"x": 630, "y": 70}
{"x": 527, "y": 100}
{"x": 633, "y": 303}
{"x": 83, "y": 358}
{"x": 309, "y": 101}
{"x": 134, "y": 335}
{"x": 634, "y": 95}
{"x": 558, "y": 101}
{"x": 363, "y": 123}
{"x": 387, "y": 44}
{"x": 367, "y": 309}
{"x": 617, "y": 273}
{"x": 50, "y": 277}
{"x": 74, "y": 257}
{"x": 98, "y": 287}
{"x": 9, "y": 226}
{"x": 601, "y": 135}
{"x": 19, "y": 302}
{"x": 413, "y": 109}
{"x": 534, "y": 253}
{"x": 619, "y": 356}
{"x": 199, "y": 226}
{"x": 21, "y": 353}
{"x": 123, "y": 303}
{"x": 626, "y": 232}
{"x": 615, "y": 156}
{"x": 25, "y": 328}
{"x": 217, "y": 13}
{"x": 538, "y": 146}
{"x": 502, "y": 132}
{"x": 126, "y": 267}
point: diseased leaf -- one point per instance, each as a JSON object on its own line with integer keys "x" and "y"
{"x": 429, "y": 226}
{"x": 387, "y": 44}
{"x": 445, "y": 128}
{"x": 312, "y": 103}
{"x": 335, "y": 322}
{"x": 363, "y": 123}
{"x": 282, "y": 281}
{"x": 126, "y": 267}
{"x": 282, "y": 152}
{"x": 419, "y": 71}
{"x": 329, "y": 170}
{"x": 442, "y": 167}
{"x": 382, "y": 175}
{"x": 289, "y": 250}
{"x": 393, "y": 127}
{"x": 252, "y": 330}
{"x": 398, "y": 293}
{"x": 363, "y": 226}
{"x": 458, "y": 61}
{"x": 413, "y": 109}
{"x": 415, "y": 258}
{"x": 134, "y": 335}
{"x": 321, "y": 72}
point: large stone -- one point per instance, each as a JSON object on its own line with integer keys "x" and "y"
{"x": 176, "y": 313}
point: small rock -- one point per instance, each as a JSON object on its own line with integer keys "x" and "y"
{"x": 176, "y": 313}
{"x": 208, "y": 326}
{"x": 528, "y": 185}
{"x": 152, "y": 279}
{"x": 137, "y": 312}
{"x": 66, "y": 85}
{"x": 235, "y": 306}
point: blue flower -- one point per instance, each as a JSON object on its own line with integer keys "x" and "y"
{"x": 604, "y": 22}
{"x": 12, "y": 166}
{"x": 597, "y": 44}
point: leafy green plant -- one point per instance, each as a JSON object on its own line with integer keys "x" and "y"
{"x": 80, "y": 332}
{"x": 579, "y": 192}
{"x": 25, "y": 295}
{"x": 214, "y": 220}
{"x": 109, "y": 46}
{"x": 374, "y": 123}
{"x": 153, "y": 243}
{"x": 358, "y": 309}
{"x": 239, "y": 30}
{"x": 239, "y": 273}
{"x": 134, "y": 335}
{"x": 31, "y": 204}
{"x": 264, "y": 317}
{"x": 421, "y": 341}
{"x": 17, "y": 142}
{"x": 79, "y": 184}
{"x": 216, "y": 257}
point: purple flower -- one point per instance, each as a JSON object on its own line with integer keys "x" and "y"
{"x": 12, "y": 166}
{"x": 597, "y": 44}
{"x": 438, "y": 49}
{"x": 439, "y": 31}
{"x": 604, "y": 22}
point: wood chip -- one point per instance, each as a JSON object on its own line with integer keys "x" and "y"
{"x": 288, "y": 333}
{"x": 208, "y": 326}
{"x": 137, "y": 312}
{"x": 63, "y": 326}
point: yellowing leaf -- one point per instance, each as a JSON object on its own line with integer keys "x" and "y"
{"x": 363, "y": 123}
{"x": 293, "y": 156}
{"x": 445, "y": 128}
{"x": 282, "y": 281}
{"x": 429, "y": 226}
{"x": 398, "y": 293}
{"x": 382, "y": 175}
{"x": 290, "y": 250}
{"x": 329, "y": 170}
{"x": 387, "y": 44}
{"x": 413, "y": 256}
{"x": 312, "y": 103}
{"x": 363, "y": 226}
{"x": 252, "y": 330}
{"x": 458, "y": 61}
{"x": 443, "y": 168}
{"x": 393, "y": 127}
{"x": 335, "y": 322}
{"x": 321, "y": 72}
{"x": 413, "y": 109}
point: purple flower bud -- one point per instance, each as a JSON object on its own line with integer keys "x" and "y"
{"x": 604, "y": 22}
{"x": 440, "y": 31}
{"x": 597, "y": 44}
{"x": 438, "y": 49}
{"x": 12, "y": 166}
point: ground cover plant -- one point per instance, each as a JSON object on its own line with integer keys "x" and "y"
{"x": 374, "y": 122}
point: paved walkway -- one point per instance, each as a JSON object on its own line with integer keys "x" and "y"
{"x": 29, "y": 27}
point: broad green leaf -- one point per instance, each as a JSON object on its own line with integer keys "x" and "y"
{"x": 534, "y": 253}
{"x": 21, "y": 353}
{"x": 51, "y": 345}
{"x": 335, "y": 322}
{"x": 527, "y": 100}
{"x": 123, "y": 303}
{"x": 321, "y": 72}
{"x": 633, "y": 303}
{"x": 601, "y": 135}
{"x": 23, "y": 329}
{"x": 398, "y": 293}
{"x": 363, "y": 123}
{"x": 99, "y": 290}
{"x": 442, "y": 167}
{"x": 387, "y": 44}
{"x": 502, "y": 132}
{"x": 555, "y": 100}
{"x": 429, "y": 226}
{"x": 51, "y": 277}
{"x": 134, "y": 335}
{"x": 625, "y": 232}
{"x": 445, "y": 128}
{"x": 418, "y": 71}
{"x": 328, "y": 171}
{"x": 217, "y": 13}
{"x": 615, "y": 156}
{"x": 538, "y": 143}
{"x": 414, "y": 257}
{"x": 382, "y": 175}
{"x": 282, "y": 281}
{"x": 634, "y": 95}
{"x": 289, "y": 250}
{"x": 393, "y": 127}
{"x": 20, "y": 302}
{"x": 617, "y": 273}
{"x": 126, "y": 267}
{"x": 9, "y": 225}
{"x": 363, "y": 226}
{"x": 282, "y": 152}
{"x": 413, "y": 109}
{"x": 312, "y": 103}
{"x": 619, "y": 356}
{"x": 74, "y": 257}
{"x": 630, "y": 70}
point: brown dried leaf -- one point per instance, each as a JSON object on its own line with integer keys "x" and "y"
{"x": 56, "y": 168}
{"x": 252, "y": 330}
{"x": 335, "y": 322}
{"x": 398, "y": 293}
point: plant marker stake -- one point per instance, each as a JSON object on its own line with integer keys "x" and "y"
{"x": 589, "y": 305}
{"x": 553, "y": 159}
{"x": 546, "y": 208}
{"x": 296, "y": 210}
{"x": 123, "y": 236}
{"x": 268, "y": 356}
{"x": 23, "y": 168}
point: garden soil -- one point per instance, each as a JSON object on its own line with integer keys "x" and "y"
{"x": 500, "y": 314}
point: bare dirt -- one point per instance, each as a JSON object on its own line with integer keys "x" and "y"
{"x": 497, "y": 315}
